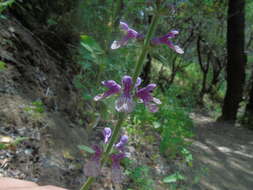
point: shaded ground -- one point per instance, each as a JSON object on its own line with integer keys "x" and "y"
{"x": 227, "y": 152}
{"x": 38, "y": 101}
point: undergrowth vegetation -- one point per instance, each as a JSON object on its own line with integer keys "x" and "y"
{"x": 140, "y": 178}
{"x": 172, "y": 123}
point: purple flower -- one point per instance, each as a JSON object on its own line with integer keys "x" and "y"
{"x": 107, "y": 134}
{"x": 166, "y": 40}
{"x": 117, "y": 175}
{"x": 92, "y": 167}
{"x": 113, "y": 88}
{"x": 129, "y": 34}
{"x": 125, "y": 101}
{"x": 120, "y": 145}
{"x": 144, "y": 94}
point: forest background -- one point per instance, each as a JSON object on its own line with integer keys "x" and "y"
{"x": 213, "y": 77}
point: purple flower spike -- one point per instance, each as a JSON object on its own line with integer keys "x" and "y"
{"x": 120, "y": 145}
{"x": 145, "y": 96}
{"x": 125, "y": 101}
{"x": 107, "y": 134}
{"x": 165, "y": 40}
{"x": 129, "y": 34}
{"x": 113, "y": 88}
{"x": 92, "y": 167}
{"x": 117, "y": 175}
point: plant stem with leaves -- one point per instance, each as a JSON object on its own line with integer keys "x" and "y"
{"x": 122, "y": 116}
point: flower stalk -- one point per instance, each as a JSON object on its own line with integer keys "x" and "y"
{"x": 145, "y": 48}
{"x": 122, "y": 115}
{"x": 114, "y": 138}
{"x": 88, "y": 183}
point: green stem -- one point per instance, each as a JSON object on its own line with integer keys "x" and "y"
{"x": 145, "y": 47}
{"x": 116, "y": 14}
{"x": 87, "y": 184}
{"x": 114, "y": 138}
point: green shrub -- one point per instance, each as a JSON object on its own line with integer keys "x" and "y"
{"x": 175, "y": 128}
{"x": 5, "y": 4}
{"x": 172, "y": 122}
{"x": 141, "y": 178}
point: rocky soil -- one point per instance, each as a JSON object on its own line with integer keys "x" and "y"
{"x": 38, "y": 101}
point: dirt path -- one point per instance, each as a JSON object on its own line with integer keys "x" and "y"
{"x": 227, "y": 152}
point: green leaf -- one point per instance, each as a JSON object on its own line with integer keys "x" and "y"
{"x": 173, "y": 178}
{"x": 5, "y": 4}
{"x": 2, "y": 146}
{"x": 87, "y": 47}
{"x": 19, "y": 140}
{"x": 87, "y": 97}
{"x": 90, "y": 44}
{"x": 51, "y": 22}
{"x": 2, "y": 65}
{"x": 86, "y": 148}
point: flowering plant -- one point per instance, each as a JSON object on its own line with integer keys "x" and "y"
{"x": 129, "y": 92}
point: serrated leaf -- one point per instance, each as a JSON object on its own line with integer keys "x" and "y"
{"x": 86, "y": 148}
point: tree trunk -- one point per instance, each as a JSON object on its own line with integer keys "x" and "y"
{"x": 236, "y": 59}
{"x": 248, "y": 115}
{"x": 249, "y": 107}
{"x": 204, "y": 66}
